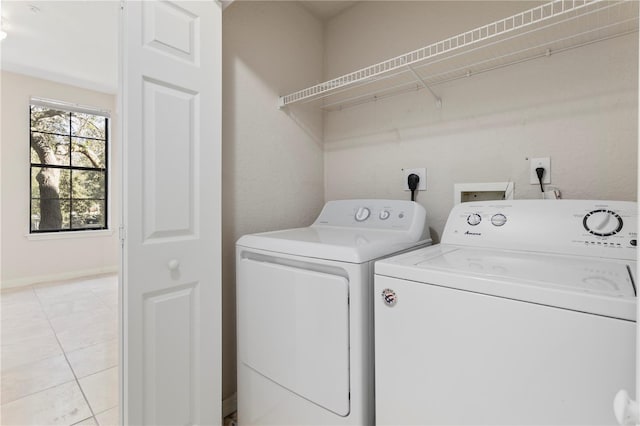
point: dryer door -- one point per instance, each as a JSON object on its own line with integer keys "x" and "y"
{"x": 294, "y": 329}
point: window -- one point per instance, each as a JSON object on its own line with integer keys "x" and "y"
{"x": 69, "y": 155}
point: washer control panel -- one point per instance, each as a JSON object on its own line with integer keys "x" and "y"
{"x": 400, "y": 215}
{"x": 598, "y": 228}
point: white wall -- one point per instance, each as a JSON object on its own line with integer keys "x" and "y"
{"x": 24, "y": 260}
{"x": 272, "y": 163}
{"x": 578, "y": 107}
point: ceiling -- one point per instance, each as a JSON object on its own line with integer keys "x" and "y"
{"x": 75, "y": 42}
{"x": 66, "y": 41}
{"x": 325, "y": 10}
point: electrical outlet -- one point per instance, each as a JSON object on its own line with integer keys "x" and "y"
{"x": 534, "y": 163}
{"x": 422, "y": 184}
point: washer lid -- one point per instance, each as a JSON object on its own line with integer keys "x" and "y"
{"x": 593, "y": 285}
{"x": 333, "y": 243}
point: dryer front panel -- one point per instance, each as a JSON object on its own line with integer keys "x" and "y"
{"x": 295, "y": 330}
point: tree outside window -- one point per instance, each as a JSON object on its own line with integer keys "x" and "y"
{"x": 69, "y": 152}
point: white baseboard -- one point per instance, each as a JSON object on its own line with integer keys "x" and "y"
{"x": 229, "y": 405}
{"x": 21, "y": 282}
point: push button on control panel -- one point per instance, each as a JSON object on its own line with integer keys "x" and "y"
{"x": 498, "y": 219}
{"x": 362, "y": 214}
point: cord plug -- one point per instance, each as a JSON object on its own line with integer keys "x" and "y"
{"x": 540, "y": 174}
{"x": 412, "y": 181}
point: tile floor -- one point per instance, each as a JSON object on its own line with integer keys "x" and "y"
{"x": 59, "y": 353}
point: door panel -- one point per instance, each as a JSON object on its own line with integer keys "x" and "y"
{"x": 170, "y": 141}
{"x": 171, "y": 112}
{"x": 295, "y": 330}
{"x": 170, "y": 346}
{"x": 172, "y": 30}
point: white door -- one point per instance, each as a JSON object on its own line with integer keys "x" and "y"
{"x": 171, "y": 82}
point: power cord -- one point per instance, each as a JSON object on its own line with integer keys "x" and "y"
{"x": 412, "y": 182}
{"x": 540, "y": 174}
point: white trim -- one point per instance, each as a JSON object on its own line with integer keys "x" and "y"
{"x": 69, "y": 106}
{"x": 21, "y": 282}
{"x": 101, "y": 233}
{"x": 59, "y": 78}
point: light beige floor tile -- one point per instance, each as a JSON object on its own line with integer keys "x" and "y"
{"x": 66, "y": 306}
{"x": 30, "y": 378}
{"x": 101, "y": 315}
{"x": 109, "y": 417}
{"x": 15, "y": 330}
{"x": 108, "y": 297}
{"x": 28, "y": 350}
{"x": 109, "y": 282}
{"x": 60, "y": 289}
{"x": 17, "y": 296}
{"x": 106, "y": 289}
{"x": 61, "y": 405}
{"x": 91, "y": 421}
{"x": 61, "y": 296}
{"x": 86, "y": 335}
{"x": 93, "y": 359}
{"x": 23, "y": 312}
{"x": 101, "y": 389}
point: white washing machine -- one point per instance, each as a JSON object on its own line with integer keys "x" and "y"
{"x": 524, "y": 314}
{"x": 305, "y": 313}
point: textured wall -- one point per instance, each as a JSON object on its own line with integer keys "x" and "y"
{"x": 272, "y": 163}
{"x": 578, "y": 107}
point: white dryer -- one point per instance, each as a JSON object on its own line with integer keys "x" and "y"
{"x": 305, "y": 313}
{"x": 524, "y": 314}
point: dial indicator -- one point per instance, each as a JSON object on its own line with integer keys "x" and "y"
{"x": 602, "y": 223}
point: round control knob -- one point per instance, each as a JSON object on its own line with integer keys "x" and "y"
{"x": 498, "y": 219}
{"x": 474, "y": 219}
{"x": 384, "y": 215}
{"x": 173, "y": 264}
{"x": 602, "y": 223}
{"x": 362, "y": 214}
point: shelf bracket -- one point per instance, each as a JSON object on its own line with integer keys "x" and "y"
{"x": 426, "y": 86}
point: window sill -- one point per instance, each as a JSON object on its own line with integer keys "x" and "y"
{"x": 65, "y": 235}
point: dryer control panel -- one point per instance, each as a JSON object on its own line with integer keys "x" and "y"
{"x": 595, "y": 228}
{"x": 393, "y": 215}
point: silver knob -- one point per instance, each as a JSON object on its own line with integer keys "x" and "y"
{"x": 474, "y": 219}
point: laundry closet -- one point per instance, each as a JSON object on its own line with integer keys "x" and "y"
{"x": 480, "y": 121}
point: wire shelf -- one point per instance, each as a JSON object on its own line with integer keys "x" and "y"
{"x": 553, "y": 27}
